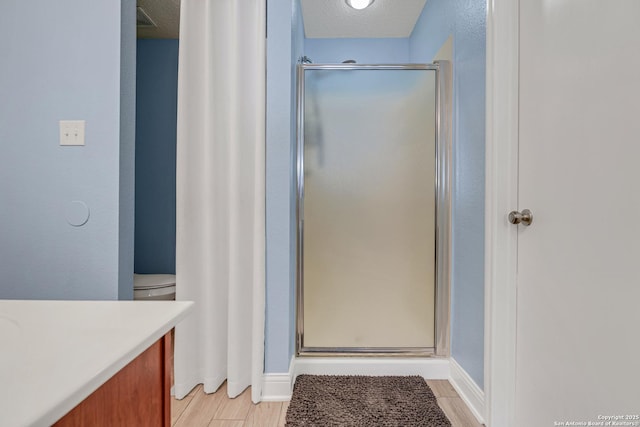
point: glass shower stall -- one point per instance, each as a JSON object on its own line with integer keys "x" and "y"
{"x": 373, "y": 209}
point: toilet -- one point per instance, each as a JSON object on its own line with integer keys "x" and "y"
{"x": 154, "y": 287}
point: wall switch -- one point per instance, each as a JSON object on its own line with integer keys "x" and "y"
{"x": 71, "y": 132}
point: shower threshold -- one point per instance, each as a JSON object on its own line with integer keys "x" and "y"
{"x": 367, "y": 352}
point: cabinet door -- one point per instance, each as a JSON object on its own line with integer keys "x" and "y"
{"x": 138, "y": 395}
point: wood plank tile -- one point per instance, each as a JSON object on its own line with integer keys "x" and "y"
{"x": 442, "y": 388}
{"x": 236, "y": 408}
{"x": 218, "y": 410}
{"x": 457, "y": 412}
{"x": 178, "y": 406}
{"x": 201, "y": 409}
{"x": 283, "y": 414}
{"x": 265, "y": 414}
{"x": 225, "y": 423}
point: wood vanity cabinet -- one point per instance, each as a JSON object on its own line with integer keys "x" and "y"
{"x": 138, "y": 395}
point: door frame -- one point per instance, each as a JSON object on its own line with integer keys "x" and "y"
{"x": 501, "y": 196}
{"x": 443, "y": 158}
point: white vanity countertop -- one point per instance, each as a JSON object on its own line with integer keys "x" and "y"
{"x": 54, "y": 354}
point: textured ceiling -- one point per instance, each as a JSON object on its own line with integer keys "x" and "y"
{"x": 165, "y": 14}
{"x": 384, "y": 18}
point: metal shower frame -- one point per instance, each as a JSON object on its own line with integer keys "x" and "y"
{"x": 442, "y": 218}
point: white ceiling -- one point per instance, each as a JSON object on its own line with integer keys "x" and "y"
{"x": 165, "y": 14}
{"x": 322, "y": 18}
{"x": 384, "y": 18}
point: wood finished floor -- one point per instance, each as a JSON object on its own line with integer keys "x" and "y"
{"x": 216, "y": 410}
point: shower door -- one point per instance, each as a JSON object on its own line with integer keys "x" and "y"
{"x": 372, "y": 161}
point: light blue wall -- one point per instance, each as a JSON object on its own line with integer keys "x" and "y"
{"x": 156, "y": 114}
{"x": 364, "y": 51}
{"x": 282, "y": 50}
{"x": 465, "y": 20}
{"x": 61, "y": 63}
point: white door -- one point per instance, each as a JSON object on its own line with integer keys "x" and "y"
{"x": 578, "y": 288}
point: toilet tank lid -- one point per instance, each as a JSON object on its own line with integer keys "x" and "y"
{"x": 149, "y": 281}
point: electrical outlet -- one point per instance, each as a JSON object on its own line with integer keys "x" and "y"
{"x": 71, "y": 132}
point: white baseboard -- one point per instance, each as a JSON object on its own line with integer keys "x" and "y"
{"x": 468, "y": 390}
{"x": 429, "y": 368}
{"x": 277, "y": 387}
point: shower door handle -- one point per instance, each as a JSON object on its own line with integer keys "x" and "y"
{"x": 525, "y": 217}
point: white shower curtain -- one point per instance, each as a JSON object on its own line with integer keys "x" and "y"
{"x": 220, "y": 247}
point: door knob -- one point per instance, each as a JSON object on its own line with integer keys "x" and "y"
{"x": 525, "y": 217}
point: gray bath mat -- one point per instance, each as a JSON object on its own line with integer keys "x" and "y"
{"x": 358, "y": 401}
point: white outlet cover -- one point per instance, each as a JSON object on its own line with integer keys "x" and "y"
{"x": 72, "y": 132}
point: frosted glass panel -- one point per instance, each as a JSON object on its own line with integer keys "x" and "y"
{"x": 369, "y": 208}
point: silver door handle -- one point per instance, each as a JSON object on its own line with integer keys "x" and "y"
{"x": 525, "y": 217}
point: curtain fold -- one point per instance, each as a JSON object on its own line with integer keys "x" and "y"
{"x": 220, "y": 230}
